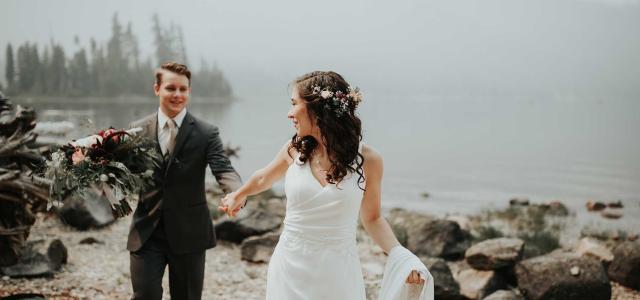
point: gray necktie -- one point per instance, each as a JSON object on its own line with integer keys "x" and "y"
{"x": 173, "y": 131}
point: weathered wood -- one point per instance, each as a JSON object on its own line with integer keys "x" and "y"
{"x": 21, "y": 195}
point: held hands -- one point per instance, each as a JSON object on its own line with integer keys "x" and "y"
{"x": 414, "y": 278}
{"x": 231, "y": 204}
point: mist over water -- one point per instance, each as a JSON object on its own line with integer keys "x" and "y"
{"x": 437, "y": 47}
{"x": 474, "y": 102}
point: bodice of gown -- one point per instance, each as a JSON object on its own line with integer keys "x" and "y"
{"x": 326, "y": 214}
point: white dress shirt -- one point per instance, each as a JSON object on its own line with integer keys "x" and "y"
{"x": 164, "y": 134}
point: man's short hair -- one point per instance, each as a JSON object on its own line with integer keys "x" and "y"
{"x": 174, "y": 67}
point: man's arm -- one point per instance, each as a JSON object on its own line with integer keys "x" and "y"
{"x": 220, "y": 165}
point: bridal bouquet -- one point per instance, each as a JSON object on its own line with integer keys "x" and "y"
{"x": 115, "y": 164}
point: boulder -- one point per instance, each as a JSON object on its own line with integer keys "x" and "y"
{"x": 595, "y": 206}
{"x": 504, "y": 295}
{"x": 625, "y": 267}
{"x": 425, "y": 235}
{"x": 90, "y": 211}
{"x": 40, "y": 258}
{"x": 495, "y": 254}
{"x": 612, "y": 213}
{"x": 615, "y": 204}
{"x": 248, "y": 222}
{"x": 463, "y": 221}
{"x": 259, "y": 248}
{"x": 519, "y": 202}
{"x": 563, "y": 276}
{"x": 477, "y": 284}
{"x": 592, "y": 247}
{"x": 446, "y": 288}
{"x": 274, "y": 206}
{"x": 557, "y": 208}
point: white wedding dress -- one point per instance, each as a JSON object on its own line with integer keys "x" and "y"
{"x": 316, "y": 257}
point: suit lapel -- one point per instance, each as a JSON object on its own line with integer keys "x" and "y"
{"x": 152, "y": 131}
{"x": 181, "y": 138}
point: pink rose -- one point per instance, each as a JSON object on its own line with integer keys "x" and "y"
{"x": 78, "y": 156}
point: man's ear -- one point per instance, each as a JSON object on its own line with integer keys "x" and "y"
{"x": 156, "y": 89}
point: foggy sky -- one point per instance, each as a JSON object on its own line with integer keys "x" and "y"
{"x": 581, "y": 48}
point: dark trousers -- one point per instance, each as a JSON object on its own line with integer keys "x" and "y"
{"x": 186, "y": 271}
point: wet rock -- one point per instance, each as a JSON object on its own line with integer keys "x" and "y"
{"x": 504, "y": 295}
{"x": 625, "y": 267}
{"x": 248, "y": 222}
{"x": 259, "y": 248}
{"x": 595, "y": 206}
{"x": 425, "y": 235}
{"x": 592, "y": 247}
{"x": 551, "y": 277}
{"x": 615, "y": 204}
{"x": 612, "y": 213}
{"x": 557, "y": 208}
{"x": 40, "y": 258}
{"x": 445, "y": 286}
{"x": 495, "y": 253}
{"x": 92, "y": 211}
{"x": 519, "y": 202}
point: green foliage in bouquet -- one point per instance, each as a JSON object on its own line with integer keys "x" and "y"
{"x": 116, "y": 163}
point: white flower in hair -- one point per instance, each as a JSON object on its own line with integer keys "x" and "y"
{"x": 326, "y": 94}
{"x": 355, "y": 95}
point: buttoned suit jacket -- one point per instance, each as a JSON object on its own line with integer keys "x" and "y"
{"x": 178, "y": 194}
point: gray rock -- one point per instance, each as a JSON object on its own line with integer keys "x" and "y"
{"x": 446, "y": 288}
{"x": 92, "y": 211}
{"x": 477, "y": 284}
{"x": 612, "y": 213}
{"x": 550, "y": 277}
{"x": 592, "y": 247}
{"x": 557, "y": 208}
{"x": 40, "y": 258}
{"x": 259, "y": 248}
{"x": 595, "y": 206}
{"x": 425, "y": 235}
{"x": 519, "y": 202}
{"x": 625, "y": 267}
{"x": 249, "y": 222}
{"x": 504, "y": 295}
{"x": 494, "y": 254}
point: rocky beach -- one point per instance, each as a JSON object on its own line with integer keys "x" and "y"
{"x": 513, "y": 253}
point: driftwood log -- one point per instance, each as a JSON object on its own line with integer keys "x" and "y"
{"x": 22, "y": 193}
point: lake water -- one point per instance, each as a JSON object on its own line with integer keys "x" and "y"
{"x": 466, "y": 154}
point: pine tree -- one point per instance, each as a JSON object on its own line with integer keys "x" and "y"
{"x": 58, "y": 70}
{"x": 116, "y": 67}
{"x": 10, "y": 71}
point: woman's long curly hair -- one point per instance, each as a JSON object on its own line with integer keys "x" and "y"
{"x": 341, "y": 132}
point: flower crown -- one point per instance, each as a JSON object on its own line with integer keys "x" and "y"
{"x": 338, "y": 101}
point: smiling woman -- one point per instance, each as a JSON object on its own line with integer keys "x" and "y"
{"x": 331, "y": 179}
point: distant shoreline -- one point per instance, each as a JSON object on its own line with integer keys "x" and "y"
{"x": 27, "y": 99}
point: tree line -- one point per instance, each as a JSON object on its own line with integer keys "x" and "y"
{"x": 114, "y": 68}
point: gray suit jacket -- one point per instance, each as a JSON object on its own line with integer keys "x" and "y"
{"x": 178, "y": 196}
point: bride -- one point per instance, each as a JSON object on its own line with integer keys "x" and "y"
{"x": 331, "y": 177}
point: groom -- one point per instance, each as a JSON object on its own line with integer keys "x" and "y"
{"x": 171, "y": 225}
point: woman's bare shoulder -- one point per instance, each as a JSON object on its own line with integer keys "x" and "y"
{"x": 372, "y": 158}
